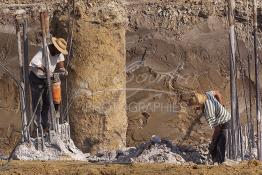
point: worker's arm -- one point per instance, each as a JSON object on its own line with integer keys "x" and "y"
{"x": 218, "y": 96}
{"x": 60, "y": 66}
{"x": 42, "y": 68}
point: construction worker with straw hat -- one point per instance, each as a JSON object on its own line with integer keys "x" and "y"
{"x": 38, "y": 79}
{"x": 218, "y": 117}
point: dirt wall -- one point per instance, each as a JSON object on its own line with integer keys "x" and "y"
{"x": 186, "y": 49}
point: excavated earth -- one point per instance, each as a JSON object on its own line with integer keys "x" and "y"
{"x": 174, "y": 48}
{"x": 66, "y": 167}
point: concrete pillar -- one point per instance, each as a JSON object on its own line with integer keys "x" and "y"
{"x": 97, "y": 80}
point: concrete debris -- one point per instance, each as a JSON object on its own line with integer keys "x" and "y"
{"x": 20, "y": 12}
{"x": 250, "y": 155}
{"x": 58, "y": 151}
{"x": 159, "y": 150}
{"x": 156, "y": 150}
{"x": 230, "y": 162}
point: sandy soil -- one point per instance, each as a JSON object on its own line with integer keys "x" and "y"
{"x": 26, "y": 167}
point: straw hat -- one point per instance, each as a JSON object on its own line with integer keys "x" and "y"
{"x": 60, "y": 44}
{"x": 198, "y": 99}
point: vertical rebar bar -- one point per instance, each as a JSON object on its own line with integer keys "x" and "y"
{"x": 25, "y": 136}
{"x": 241, "y": 142}
{"x": 251, "y": 132}
{"x": 37, "y": 134}
{"x": 45, "y": 30}
{"x": 234, "y": 138}
{"x": 238, "y": 125}
{"x": 227, "y": 145}
{"x": 247, "y": 141}
{"x": 42, "y": 133}
{"x": 52, "y": 108}
{"x": 244, "y": 135}
{"x": 26, "y": 67}
{"x": 70, "y": 41}
{"x": 258, "y": 103}
{"x": 230, "y": 143}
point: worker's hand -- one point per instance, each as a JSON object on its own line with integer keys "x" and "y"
{"x": 63, "y": 71}
{"x": 218, "y": 96}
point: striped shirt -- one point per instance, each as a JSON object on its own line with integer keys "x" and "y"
{"x": 214, "y": 112}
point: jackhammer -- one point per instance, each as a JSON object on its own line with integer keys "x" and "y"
{"x": 57, "y": 93}
{"x": 62, "y": 127}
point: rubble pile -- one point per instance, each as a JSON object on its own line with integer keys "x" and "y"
{"x": 156, "y": 150}
{"x": 58, "y": 151}
{"x": 55, "y": 146}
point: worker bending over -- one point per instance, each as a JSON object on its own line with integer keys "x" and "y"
{"x": 38, "y": 78}
{"x": 218, "y": 117}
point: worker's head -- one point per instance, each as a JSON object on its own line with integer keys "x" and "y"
{"x": 197, "y": 99}
{"x": 58, "y": 46}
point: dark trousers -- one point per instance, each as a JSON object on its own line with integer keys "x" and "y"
{"x": 39, "y": 90}
{"x": 218, "y": 153}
